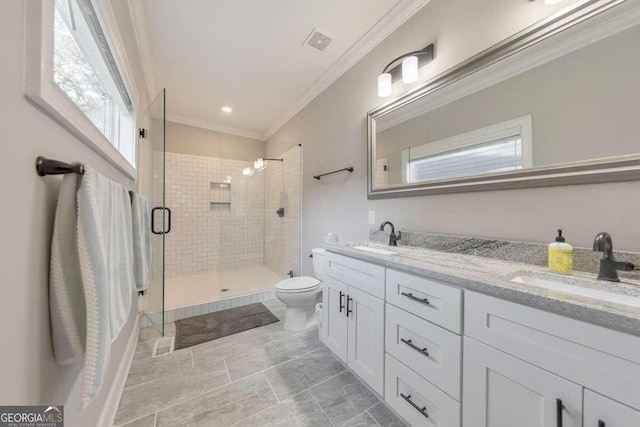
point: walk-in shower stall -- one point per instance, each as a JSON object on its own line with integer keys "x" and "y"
{"x": 225, "y": 230}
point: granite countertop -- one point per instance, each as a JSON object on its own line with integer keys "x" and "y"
{"x": 613, "y": 305}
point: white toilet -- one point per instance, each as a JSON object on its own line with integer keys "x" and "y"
{"x": 301, "y": 294}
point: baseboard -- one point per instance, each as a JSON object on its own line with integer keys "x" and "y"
{"x": 108, "y": 414}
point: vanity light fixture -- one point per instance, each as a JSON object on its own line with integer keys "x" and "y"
{"x": 550, "y": 2}
{"x": 405, "y": 67}
{"x": 384, "y": 85}
{"x": 410, "y": 69}
{"x": 226, "y": 109}
{"x": 246, "y": 171}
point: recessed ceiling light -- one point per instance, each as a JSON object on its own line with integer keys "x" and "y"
{"x": 226, "y": 109}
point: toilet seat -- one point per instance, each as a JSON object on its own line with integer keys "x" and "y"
{"x": 298, "y": 284}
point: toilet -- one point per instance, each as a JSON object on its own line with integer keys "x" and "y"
{"x": 301, "y": 294}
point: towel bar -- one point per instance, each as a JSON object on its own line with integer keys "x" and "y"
{"x": 349, "y": 169}
{"x": 46, "y": 167}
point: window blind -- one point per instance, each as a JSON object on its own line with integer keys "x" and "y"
{"x": 489, "y": 157}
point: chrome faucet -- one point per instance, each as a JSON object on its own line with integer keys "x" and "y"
{"x": 608, "y": 265}
{"x": 393, "y": 238}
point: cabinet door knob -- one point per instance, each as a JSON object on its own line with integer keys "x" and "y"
{"x": 601, "y": 423}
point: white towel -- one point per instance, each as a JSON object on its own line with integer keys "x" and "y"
{"x": 91, "y": 273}
{"x": 141, "y": 217}
{"x": 105, "y": 248}
{"x": 66, "y": 295}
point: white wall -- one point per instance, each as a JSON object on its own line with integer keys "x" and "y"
{"x": 28, "y": 372}
{"x": 194, "y": 140}
{"x": 332, "y": 129}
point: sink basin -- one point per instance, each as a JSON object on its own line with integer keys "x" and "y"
{"x": 375, "y": 250}
{"x": 561, "y": 285}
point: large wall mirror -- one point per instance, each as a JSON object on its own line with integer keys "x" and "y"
{"x": 556, "y": 104}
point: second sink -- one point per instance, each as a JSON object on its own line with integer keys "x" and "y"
{"x": 575, "y": 286}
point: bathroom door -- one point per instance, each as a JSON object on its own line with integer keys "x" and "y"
{"x": 151, "y": 182}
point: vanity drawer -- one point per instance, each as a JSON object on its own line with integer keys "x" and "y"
{"x": 432, "y": 352}
{"x": 598, "y": 358}
{"x": 359, "y": 274}
{"x": 438, "y": 303}
{"x": 408, "y": 395}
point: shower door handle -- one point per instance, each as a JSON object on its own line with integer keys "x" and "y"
{"x": 153, "y": 220}
{"x": 168, "y": 221}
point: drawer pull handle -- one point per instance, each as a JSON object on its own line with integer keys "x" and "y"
{"x": 415, "y": 298}
{"x": 422, "y": 410}
{"x": 601, "y": 423}
{"x": 415, "y": 347}
{"x": 341, "y": 301}
{"x": 559, "y": 410}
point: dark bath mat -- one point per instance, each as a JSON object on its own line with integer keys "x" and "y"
{"x": 207, "y": 327}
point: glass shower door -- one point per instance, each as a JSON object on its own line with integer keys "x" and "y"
{"x": 152, "y": 180}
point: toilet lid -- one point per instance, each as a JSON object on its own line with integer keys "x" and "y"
{"x": 298, "y": 284}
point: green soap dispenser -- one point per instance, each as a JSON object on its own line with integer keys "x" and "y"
{"x": 561, "y": 255}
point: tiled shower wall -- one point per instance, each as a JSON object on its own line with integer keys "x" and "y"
{"x": 207, "y": 237}
{"x": 282, "y": 235}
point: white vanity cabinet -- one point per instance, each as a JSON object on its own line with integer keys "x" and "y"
{"x": 365, "y": 323}
{"x": 334, "y": 320}
{"x": 600, "y": 411}
{"x": 542, "y": 369}
{"x": 503, "y": 391}
{"x": 353, "y": 317}
{"x": 446, "y": 357}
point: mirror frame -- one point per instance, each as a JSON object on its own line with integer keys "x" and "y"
{"x": 619, "y": 168}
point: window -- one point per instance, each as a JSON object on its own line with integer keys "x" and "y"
{"x": 490, "y": 157}
{"x": 499, "y": 148}
{"x": 75, "y": 75}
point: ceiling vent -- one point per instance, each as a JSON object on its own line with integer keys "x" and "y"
{"x": 318, "y": 39}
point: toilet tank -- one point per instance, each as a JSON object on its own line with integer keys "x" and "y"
{"x": 319, "y": 262}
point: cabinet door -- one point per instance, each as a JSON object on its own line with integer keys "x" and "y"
{"x": 366, "y": 338}
{"x": 334, "y": 317}
{"x": 600, "y": 411}
{"x": 502, "y": 391}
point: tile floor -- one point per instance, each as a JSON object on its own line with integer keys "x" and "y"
{"x": 262, "y": 377}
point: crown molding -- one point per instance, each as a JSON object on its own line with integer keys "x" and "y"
{"x": 388, "y": 24}
{"x": 141, "y": 33}
{"x": 175, "y": 118}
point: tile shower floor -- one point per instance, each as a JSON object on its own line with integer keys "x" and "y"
{"x": 186, "y": 291}
{"x": 262, "y": 377}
